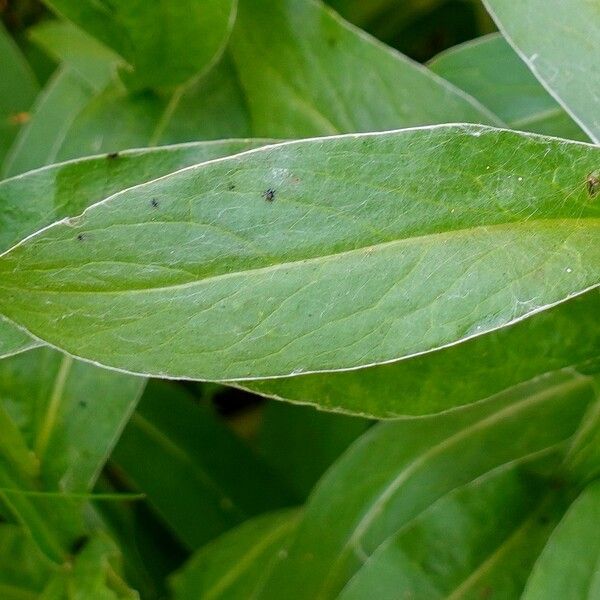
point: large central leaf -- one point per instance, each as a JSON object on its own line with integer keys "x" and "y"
{"x": 324, "y": 254}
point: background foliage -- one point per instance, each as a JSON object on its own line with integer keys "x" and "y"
{"x": 161, "y": 215}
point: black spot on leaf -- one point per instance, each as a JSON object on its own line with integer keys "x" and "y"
{"x": 269, "y": 195}
{"x": 80, "y": 237}
{"x": 78, "y": 545}
{"x": 154, "y": 203}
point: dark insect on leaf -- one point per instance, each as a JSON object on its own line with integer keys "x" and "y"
{"x": 80, "y": 237}
{"x": 593, "y": 184}
{"x": 154, "y": 203}
{"x": 269, "y": 195}
{"x": 112, "y": 155}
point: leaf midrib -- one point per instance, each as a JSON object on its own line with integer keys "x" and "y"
{"x": 467, "y": 232}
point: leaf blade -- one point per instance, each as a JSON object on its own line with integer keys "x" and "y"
{"x": 451, "y": 236}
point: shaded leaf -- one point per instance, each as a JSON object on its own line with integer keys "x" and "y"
{"x": 70, "y": 413}
{"x": 301, "y": 443}
{"x": 83, "y": 55}
{"x": 479, "y": 541}
{"x": 568, "y": 566}
{"x": 18, "y": 89}
{"x": 57, "y": 105}
{"x": 165, "y": 43}
{"x": 200, "y": 478}
{"x": 357, "y": 506}
{"x": 234, "y": 565}
{"x": 307, "y": 72}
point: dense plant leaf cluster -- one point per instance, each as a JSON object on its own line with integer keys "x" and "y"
{"x": 213, "y": 202}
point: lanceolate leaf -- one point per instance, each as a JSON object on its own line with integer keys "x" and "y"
{"x": 306, "y": 72}
{"x": 568, "y": 566}
{"x": 491, "y": 71}
{"x": 560, "y": 43}
{"x": 399, "y": 469}
{"x": 320, "y": 255}
{"x": 236, "y": 564}
{"x": 480, "y": 540}
{"x": 565, "y": 335}
{"x": 199, "y": 477}
{"x": 55, "y": 192}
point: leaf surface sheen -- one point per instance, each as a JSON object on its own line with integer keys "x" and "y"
{"x": 318, "y": 255}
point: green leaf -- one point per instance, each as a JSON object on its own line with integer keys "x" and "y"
{"x": 57, "y": 105}
{"x": 13, "y": 340}
{"x": 62, "y": 419}
{"x": 491, "y": 71}
{"x": 307, "y": 72}
{"x": 568, "y": 566}
{"x": 560, "y": 42}
{"x": 18, "y": 89}
{"x": 234, "y": 565}
{"x": 399, "y": 469}
{"x": 479, "y": 541}
{"x": 92, "y": 62}
{"x": 215, "y": 106}
{"x": 70, "y": 413}
{"x": 187, "y": 463}
{"x": 563, "y": 336}
{"x": 166, "y": 44}
{"x": 91, "y": 575}
{"x": 23, "y": 570}
{"x": 68, "y": 188}
{"x": 301, "y": 443}
{"x": 328, "y": 254}
{"x": 211, "y": 108}
{"x": 61, "y": 190}
{"x": 583, "y": 459}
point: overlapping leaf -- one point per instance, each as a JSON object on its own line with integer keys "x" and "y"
{"x": 491, "y": 71}
{"x": 65, "y": 189}
{"x": 236, "y": 564}
{"x": 568, "y": 566}
{"x": 317, "y": 255}
{"x": 18, "y": 89}
{"x": 399, "y": 469}
{"x": 171, "y": 444}
{"x": 166, "y": 44}
{"x": 560, "y": 43}
{"x": 306, "y": 72}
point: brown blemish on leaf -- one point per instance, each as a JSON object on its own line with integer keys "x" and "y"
{"x": 592, "y": 184}
{"x": 19, "y": 118}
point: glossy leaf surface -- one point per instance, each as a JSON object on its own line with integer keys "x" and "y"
{"x": 385, "y": 252}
